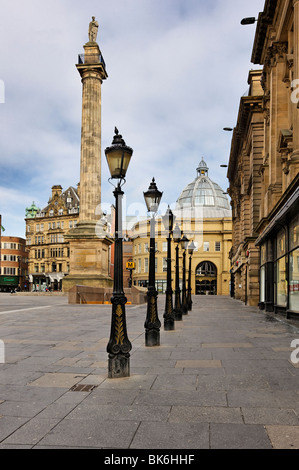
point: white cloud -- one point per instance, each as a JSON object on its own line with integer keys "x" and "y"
{"x": 176, "y": 71}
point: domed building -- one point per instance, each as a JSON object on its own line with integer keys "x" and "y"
{"x": 206, "y": 194}
{"x": 203, "y": 214}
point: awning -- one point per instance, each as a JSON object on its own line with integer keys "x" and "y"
{"x": 55, "y": 276}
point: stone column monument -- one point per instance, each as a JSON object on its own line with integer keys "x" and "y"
{"x": 89, "y": 241}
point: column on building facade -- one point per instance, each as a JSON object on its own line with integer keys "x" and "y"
{"x": 256, "y": 163}
{"x": 245, "y": 197}
{"x": 279, "y": 98}
{"x": 294, "y": 161}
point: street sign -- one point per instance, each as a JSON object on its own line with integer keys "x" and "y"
{"x": 130, "y": 265}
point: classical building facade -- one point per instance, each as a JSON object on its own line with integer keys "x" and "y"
{"x": 265, "y": 153}
{"x": 13, "y": 264}
{"x": 246, "y": 158}
{"x": 46, "y": 230}
{"x": 203, "y": 214}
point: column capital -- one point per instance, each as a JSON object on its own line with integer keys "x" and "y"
{"x": 96, "y": 71}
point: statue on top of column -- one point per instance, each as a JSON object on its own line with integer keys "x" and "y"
{"x": 93, "y": 30}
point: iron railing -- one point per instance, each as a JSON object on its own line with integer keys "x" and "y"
{"x": 81, "y": 58}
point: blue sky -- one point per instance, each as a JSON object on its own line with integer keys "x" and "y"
{"x": 176, "y": 72}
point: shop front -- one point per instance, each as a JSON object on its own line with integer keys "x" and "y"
{"x": 9, "y": 283}
{"x": 43, "y": 282}
{"x": 279, "y": 261}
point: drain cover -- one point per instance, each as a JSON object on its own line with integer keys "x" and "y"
{"x": 82, "y": 388}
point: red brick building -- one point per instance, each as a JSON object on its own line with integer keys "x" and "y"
{"x": 13, "y": 264}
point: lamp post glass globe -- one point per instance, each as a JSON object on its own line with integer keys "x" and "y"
{"x": 118, "y": 157}
{"x": 191, "y": 248}
{"x": 184, "y": 242}
{"x": 168, "y": 220}
{"x": 152, "y": 197}
{"x": 177, "y": 234}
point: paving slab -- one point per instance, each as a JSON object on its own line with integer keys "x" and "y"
{"x": 239, "y": 436}
{"x": 223, "y": 379}
{"x": 269, "y": 416}
{"x": 171, "y": 436}
{"x": 55, "y": 380}
{"x": 92, "y": 433}
{"x": 284, "y": 437}
{"x": 205, "y": 414}
{"x": 117, "y": 413}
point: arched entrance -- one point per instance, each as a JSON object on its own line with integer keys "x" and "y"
{"x": 206, "y": 278}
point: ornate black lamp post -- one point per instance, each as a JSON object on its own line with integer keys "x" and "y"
{"x": 178, "y": 313}
{"x": 152, "y": 323}
{"x": 191, "y": 249}
{"x": 168, "y": 221}
{"x": 184, "y": 245}
{"x": 119, "y": 347}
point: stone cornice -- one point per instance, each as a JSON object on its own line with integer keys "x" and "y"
{"x": 265, "y": 19}
{"x": 248, "y": 105}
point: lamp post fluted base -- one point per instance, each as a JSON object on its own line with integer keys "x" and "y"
{"x": 118, "y": 366}
{"x": 119, "y": 345}
{"x": 178, "y": 315}
{"x": 152, "y": 324}
{"x": 169, "y": 324}
{"x": 152, "y": 338}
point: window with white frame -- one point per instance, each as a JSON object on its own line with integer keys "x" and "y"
{"x": 206, "y": 246}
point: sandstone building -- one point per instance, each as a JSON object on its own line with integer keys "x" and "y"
{"x": 245, "y": 191}
{"x": 46, "y": 230}
{"x": 203, "y": 213}
{"x": 264, "y": 167}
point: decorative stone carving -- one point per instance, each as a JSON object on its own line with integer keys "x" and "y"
{"x": 93, "y": 30}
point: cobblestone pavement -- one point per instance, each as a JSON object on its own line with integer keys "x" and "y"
{"x": 226, "y": 378}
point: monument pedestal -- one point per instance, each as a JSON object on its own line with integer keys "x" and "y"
{"x": 89, "y": 258}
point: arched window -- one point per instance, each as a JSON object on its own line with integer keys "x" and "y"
{"x": 206, "y": 268}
